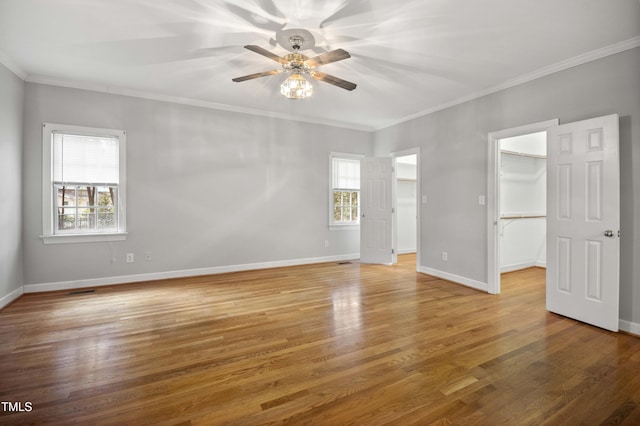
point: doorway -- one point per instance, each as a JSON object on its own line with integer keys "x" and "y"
{"x": 406, "y": 223}
{"x": 516, "y": 200}
{"x": 522, "y": 226}
{"x": 380, "y": 224}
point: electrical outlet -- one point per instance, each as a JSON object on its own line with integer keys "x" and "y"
{"x": 147, "y": 257}
{"x": 326, "y": 243}
{"x": 130, "y": 258}
{"x": 444, "y": 256}
{"x": 481, "y": 200}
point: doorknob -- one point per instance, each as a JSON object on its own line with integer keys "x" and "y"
{"x": 608, "y": 233}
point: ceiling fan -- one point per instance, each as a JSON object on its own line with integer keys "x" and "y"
{"x": 297, "y": 64}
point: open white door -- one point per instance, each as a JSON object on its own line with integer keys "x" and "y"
{"x": 583, "y": 221}
{"x": 376, "y": 210}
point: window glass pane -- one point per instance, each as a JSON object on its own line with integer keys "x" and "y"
{"x": 337, "y": 214}
{"x": 354, "y": 198}
{"x": 106, "y": 219}
{"x": 67, "y": 221}
{"x": 346, "y": 214}
{"x": 337, "y": 197}
{"x": 59, "y": 195}
{"x": 346, "y": 196}
{"x": 83, "y": 219}
{"x": 84, "y": 195}
{"x": 105, "y": 196}
{"x": 354, "y": 214}
{"x": 66, "y": 196}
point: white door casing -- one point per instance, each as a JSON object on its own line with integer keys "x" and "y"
{"x": 583, "y": 221}
{"x": 493, "y": 196}
{"x": 376, "y": 210}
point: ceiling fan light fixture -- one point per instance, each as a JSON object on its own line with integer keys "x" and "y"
{"x": 296, "y": 87}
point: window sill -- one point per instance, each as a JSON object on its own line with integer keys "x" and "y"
{"x": 344, "y": 227}
{"x": 83, "y": 238}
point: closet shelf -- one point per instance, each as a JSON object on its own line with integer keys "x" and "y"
{"x": 521, "y": 154}
{"x": 523, "y": 216}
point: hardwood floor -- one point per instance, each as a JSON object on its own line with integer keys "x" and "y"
{"x": 320, "y": 344}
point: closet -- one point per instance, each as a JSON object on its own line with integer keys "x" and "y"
{"x": 406, "y": 203}
{"x": 523, "y": 189}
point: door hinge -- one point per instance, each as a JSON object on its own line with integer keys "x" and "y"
{"x": 393, "y": 210}
{"x": 392, "y": 251}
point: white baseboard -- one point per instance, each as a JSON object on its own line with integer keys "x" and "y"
{"x": 124, "y": 279}
{"x": 8, "y": 298}
{"x": 406, "y": 251}
{"x": 516, "y": 267}
{"x": 629, "y": 327}
{"x": 523, "y": 265}
{"x": 455, "y": 278}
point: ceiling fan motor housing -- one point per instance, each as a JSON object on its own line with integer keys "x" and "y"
{"x": 296, "y": 61}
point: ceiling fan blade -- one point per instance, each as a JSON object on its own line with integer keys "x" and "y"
{"x": 256, "y": 75}
{"x": 264, "y": 52}
{"x": 328, "y": 57}
{"x": 347, "y": 85}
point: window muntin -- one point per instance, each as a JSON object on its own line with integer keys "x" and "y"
{"x": 345, "y": 190}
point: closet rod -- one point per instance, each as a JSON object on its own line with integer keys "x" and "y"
{"x": 522, "y": 216}
{"x": 521, "y": 154}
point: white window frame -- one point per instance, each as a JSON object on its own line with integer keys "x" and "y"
{"x": 49, "y": 234}
{"x": 335, "y": 226}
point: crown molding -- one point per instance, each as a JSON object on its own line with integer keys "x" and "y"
{"x": 575, "y": 61}
{"x": 12, "y": 66}
{"x": 114, "y": 90}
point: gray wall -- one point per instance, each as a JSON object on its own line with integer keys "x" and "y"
{"x": 11, "y": 107}
{"x": 454, "y": 151}
{"x": 205, "y": 188}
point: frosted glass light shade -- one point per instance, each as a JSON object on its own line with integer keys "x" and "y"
{"x": 296, "y": 87}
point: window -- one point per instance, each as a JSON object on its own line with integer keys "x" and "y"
{"x": 345, "y": 190}
{"x": 83, "y": 184}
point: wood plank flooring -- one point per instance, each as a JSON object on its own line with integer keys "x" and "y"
{"x": 324, "y": 344}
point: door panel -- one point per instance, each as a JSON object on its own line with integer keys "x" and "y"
{"x": 583, "y": 202}
{"x": 376, "y": 210}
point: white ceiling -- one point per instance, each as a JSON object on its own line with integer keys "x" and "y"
{"x": 408, "y": 56}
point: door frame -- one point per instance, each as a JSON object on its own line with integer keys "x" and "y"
{"x": 394, "y": 233}
{"x": 493, "y": 196}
